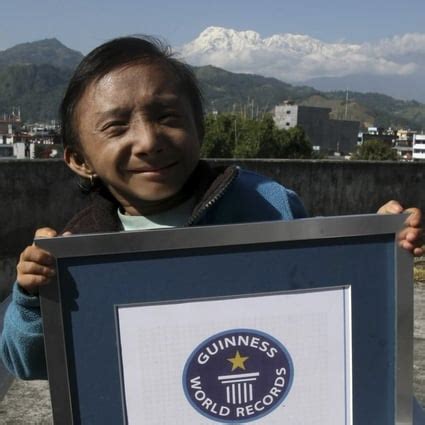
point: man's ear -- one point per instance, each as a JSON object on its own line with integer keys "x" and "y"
{"x": 77, "y": 163}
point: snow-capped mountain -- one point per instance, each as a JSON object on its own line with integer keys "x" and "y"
{"x": 298, "y": 58}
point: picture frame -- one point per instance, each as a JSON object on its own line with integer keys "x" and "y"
{"x": 97, "y": 273}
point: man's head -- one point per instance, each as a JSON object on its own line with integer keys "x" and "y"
{"x": 132, "y": 118}
{"x": 122, "y": 52}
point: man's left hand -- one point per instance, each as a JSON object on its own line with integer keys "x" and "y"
{"x": 411, "y": 237}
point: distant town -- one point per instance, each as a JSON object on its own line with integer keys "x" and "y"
{"x": 28, "y": 141}
{"x": 340, "y": 138}
{"x": 332, "y": 138}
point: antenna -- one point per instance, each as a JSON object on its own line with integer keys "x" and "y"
{"x": 346, "y": 104}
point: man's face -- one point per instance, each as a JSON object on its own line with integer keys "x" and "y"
{"x": 138, "y": 134}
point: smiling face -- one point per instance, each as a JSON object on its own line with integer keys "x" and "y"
{"x": 138, "y": 135}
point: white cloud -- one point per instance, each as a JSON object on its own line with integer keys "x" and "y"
{"x": 400, "y": 45}
{"x": 294, "y": 57}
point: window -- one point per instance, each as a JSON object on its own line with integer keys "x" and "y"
{"x": 6, "y": 152}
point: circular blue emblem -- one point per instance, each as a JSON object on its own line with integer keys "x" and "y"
{"x": 238, "y": 376}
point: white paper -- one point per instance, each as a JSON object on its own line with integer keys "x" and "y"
{"x": 314, "y": 327}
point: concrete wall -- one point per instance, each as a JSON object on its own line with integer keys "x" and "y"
{"x": 33, "y": 194}
{"x": 346, "y": 187}
{"x": 37, "y": 193}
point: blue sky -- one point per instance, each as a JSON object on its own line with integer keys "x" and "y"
{"x": 83, "y": 24}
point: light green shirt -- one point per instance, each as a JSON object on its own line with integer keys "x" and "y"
{"x": 175, "y": 217}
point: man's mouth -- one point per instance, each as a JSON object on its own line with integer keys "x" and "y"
{"x": 153, "y": 168}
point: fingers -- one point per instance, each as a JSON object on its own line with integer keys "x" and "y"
{"x": 45, "y": 232}
{"x": 419, "y": 251}
{"x": 32, "y": 276}
{"x": 411, "y": 237}
{"x": 36, "y": 266}
{"x": 391, "y": 207}
{"x": 31, "y": 268}
{"x": 415, "y": 217}
{"x": 410, "y": 246}
{"x": 411, "y": 234}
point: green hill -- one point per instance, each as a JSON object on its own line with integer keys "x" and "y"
{"x": 49, "y": 51}
{"x": 228, "y": 91}
{"x": 33, "y": 76}
{"x": 36, "y": 89}
{"x": 385, "y": 110}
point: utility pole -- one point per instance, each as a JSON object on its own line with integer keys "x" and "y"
{"x": 346, "y": 105}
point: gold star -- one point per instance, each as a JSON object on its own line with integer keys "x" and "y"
{"x": 238, "y": 361}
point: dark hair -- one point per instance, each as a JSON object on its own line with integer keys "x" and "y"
{"x": 121, "y": 52}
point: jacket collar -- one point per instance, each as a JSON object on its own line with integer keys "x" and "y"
{"x": 206, "y": 184}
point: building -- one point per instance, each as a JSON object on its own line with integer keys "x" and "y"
{"x": 325, "y": 134}
{"x": 387, "y": 136}
{"x": 418, "y": 147}
{"x": 404, "y": 144}
{"x": 10, "y": 123}
{"x": 17, "y": 150}
{"x": 28, "y": 141}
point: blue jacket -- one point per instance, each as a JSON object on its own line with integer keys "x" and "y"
{"x": 226, "y": 196}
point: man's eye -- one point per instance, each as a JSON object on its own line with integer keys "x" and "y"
{"x": 169, "y": 118}
{"x": 115, "y": 126}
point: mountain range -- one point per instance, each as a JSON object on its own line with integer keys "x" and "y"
{"x": 393, "y": 66}
{"x": 34, "y": 75}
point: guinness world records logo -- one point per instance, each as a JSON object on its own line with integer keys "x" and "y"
{"x": 238, "y": 376}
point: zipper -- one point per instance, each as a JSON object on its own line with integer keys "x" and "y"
{"x": 213, "y": 200}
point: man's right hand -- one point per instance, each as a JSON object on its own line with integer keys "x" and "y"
{"x": 36, "y": 266}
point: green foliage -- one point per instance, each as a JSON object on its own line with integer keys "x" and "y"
{"x": 375, "y": 150}
{"x": 219, "y": 139}
{"x": 232, "y": 136}
{"x": 297, "y": 145}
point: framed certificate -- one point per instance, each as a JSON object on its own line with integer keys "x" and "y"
{"x": 308, "y": 321}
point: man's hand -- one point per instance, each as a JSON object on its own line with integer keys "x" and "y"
{"x": 411, "y": 237}
{"x": 36, "y": 266}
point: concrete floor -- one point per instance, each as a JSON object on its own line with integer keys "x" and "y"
{"x": 419, "y": 344}
{"x": 27, "y": 402}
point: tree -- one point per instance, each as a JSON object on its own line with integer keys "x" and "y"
{"x": 297, "y": 144}
{"x": 232, "y": 136}
{"x": 375, "y": 150}
{"x": 270, "y": 142}
{"x": 247, "y": 142}
{"x": 219, "y": 139}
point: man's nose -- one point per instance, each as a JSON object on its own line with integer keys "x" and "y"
{"x": 146, "y": 139}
